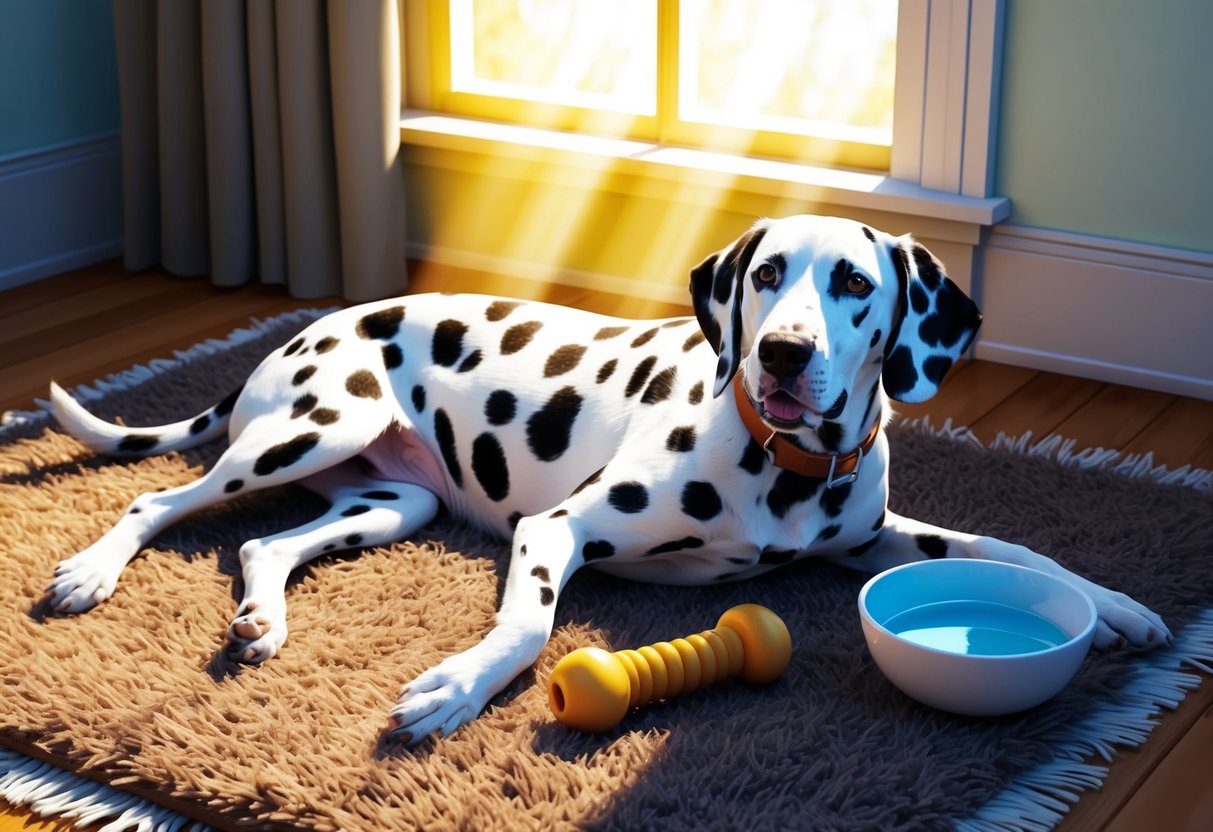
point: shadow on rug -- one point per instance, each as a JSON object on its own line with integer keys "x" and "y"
{"x": 139, "y": 694}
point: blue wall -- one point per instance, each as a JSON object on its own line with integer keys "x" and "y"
{"x": 1107, "y": 118}
{"x": 58, "y": 73}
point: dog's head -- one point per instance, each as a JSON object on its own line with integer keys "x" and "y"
{"x": 809, "y": 307}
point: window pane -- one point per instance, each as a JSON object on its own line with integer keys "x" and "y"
{"x": 583, "y": 53}
{"x": 814, "y": 67}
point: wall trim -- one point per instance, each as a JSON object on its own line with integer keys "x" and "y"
{"x": 1113, "y": 310}
{"x": 62, "y": 205}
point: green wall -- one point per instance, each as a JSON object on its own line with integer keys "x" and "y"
{"x": 58, "y": 74}
{"x": 1107, "y": 118}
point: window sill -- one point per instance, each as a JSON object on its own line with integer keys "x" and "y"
{"x": 810, "y": 184}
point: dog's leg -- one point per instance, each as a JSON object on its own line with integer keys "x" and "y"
{"x": 547, "y": 551}
{"x": 902, "y": 540}
{"x": 271, "y": 450}
{"x": 364, "y": 512}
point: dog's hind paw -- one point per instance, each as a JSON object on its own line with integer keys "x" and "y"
{"x": 257, "y": 633}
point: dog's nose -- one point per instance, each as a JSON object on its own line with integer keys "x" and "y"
{"x": 783, "y": 355}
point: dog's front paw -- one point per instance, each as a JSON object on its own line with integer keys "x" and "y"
{"x": 1124, "y": 622}
{"x": 81, "y": 583}
{"x": 257, "y": 632}
{"x": 439, "y": 700}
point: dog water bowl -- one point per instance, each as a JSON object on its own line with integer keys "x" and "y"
{"x": 976, "y": 637}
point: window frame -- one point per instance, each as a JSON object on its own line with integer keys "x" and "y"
{"x": 949, "y": 56}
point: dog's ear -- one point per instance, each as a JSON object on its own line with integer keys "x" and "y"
{"x": 717, "y": 286}
{"x": 934, "y": 324}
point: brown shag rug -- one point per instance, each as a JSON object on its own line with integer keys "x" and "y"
{"x": 139, "y": 694}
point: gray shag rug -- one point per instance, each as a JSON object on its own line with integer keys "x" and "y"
{"x": 139, "y": 695}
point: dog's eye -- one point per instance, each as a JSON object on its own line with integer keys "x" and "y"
{"x": 766, "y": 274}
{"x": 857, "y": 284}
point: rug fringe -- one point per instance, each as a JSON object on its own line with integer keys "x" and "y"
{"x": 139, "y": 373}
{"x": 1040, "y": 798}
{"x": 51, "y": 792}
{"x": 1061, "y": 450}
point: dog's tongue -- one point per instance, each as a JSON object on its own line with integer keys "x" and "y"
{"x": 782, "y": 406}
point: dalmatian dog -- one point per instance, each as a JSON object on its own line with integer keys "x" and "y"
{"x": 682, "y": 451}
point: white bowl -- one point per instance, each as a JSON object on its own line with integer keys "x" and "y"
{"x": 976, "y": 637}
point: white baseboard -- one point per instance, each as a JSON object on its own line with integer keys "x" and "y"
{"x": 1100, "y": 308}
{"x": 61, "y": 207}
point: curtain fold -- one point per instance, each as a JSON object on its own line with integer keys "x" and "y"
{"x": 261, "y": 142}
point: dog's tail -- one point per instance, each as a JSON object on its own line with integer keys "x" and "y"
{"x": 120, "y": 440}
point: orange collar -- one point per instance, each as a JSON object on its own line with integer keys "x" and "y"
{"x": 835, "y": 469}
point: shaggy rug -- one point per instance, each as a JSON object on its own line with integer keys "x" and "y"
{"x": 138, "y": 694}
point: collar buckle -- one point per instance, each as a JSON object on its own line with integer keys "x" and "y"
{"x": 843, "y": 479}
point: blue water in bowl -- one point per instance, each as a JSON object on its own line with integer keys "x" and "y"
{"x": 977, "y": 628}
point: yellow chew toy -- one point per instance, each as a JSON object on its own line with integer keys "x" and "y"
{"x": 592, "y": 690}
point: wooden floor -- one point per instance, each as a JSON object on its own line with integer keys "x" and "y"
{"x": 79, "y": 326}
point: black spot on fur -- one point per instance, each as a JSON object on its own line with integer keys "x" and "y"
{"x": 701, "y": 500}
{"x": 830, "y": 434}
{"x": 393, "y": 356}
{"x": 932, "y": 545}
{"x": 549, "y": 429}
{"x": 681, "y": 439}
{"x": 200, "y": 424}
{"x": 661, "y": 385}
{"x": 304, "y": 374}
{"x": 285, "y": 454}
{"x": 354, "y": 511}
{"x": 498, "y": 309}
{"x": 303, "y": 405}
{"x": 563, "y": 360}
{"x": 326, "y": 344}
{"x": 936, "y": 367}
{"x": 324, "y": 415}
{"x": 489, "y": 466}
{"x": 875, "y": 339}
{"x": 628, "y": 497}
{"x": 674, "y": 323}
{"x": 954, "y": 317}
{"x": 639, "y": 376}
{"x": 789, "y": 489}
{"x": 696, "y": 394}
{"x": 928, "y": 268}
{"x": 328, "y": 547}
{"x": 777, "y": 557}
{"x": 232, "y": 486}
{"x": 752, "y": 457}
{"x": 644, "y": 337}
{"x": 294, "y": 347}
{"x": 541, "y": 572}
{"x": 859, "y": 316}
{"x": 606, "y": 370}
{"x": 447, "y": 345}
{"x": 225, "y": 407}
{"x": 919, "y": 301}
{"x": 379, "y": 495}
{"x": 546, "y": 596}
{"x": 692, "y": 341}
{"x": 500, "y": 407}
{"x": 418, "y": 396}
{"x": 518, "y": 336}
{"x": 136, "y": 444}
{"x": 829, "y": 532}
{"x": 471, "y": 362}
{"x": 676, "y": 546}
{"x": 353, "y": 540}
{"x": 597, "y": 550}
{"x": 560, "y": 512}
{"x": 363, "y": 384}
{"x": 609, "y": 332}
{"x": 445, "y": 436}
{"x": 899, "y": 373}
{"x": 383, "y": 324}
{"x": 867, "y": 232}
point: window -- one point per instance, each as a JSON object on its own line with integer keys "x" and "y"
{"x": 809, "y": 81}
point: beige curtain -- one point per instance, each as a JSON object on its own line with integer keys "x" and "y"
{"x": 261, "y": 142}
